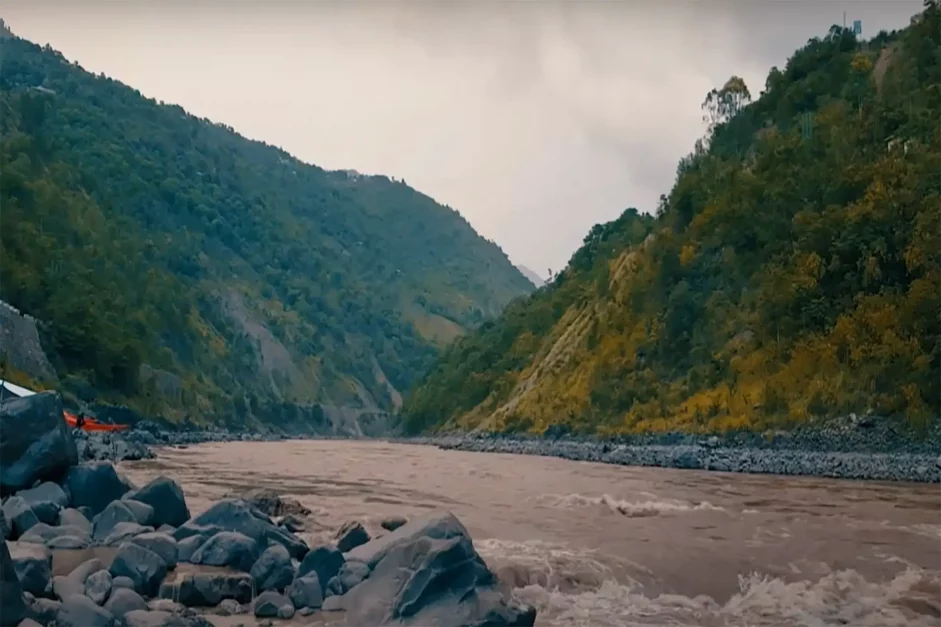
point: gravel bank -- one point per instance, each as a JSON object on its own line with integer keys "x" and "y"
{"x": 851, "y": 448}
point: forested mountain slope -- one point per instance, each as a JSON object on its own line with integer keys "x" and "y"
{"x": 188, "y": 271}
{"x": 791, "y": 273}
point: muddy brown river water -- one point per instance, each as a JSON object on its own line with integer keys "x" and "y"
{"x": 611, "y": 546}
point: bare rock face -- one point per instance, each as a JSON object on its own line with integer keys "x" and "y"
{"x": 35, "y": 442}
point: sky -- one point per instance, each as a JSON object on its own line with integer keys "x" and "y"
{"x": 535, "y": 120}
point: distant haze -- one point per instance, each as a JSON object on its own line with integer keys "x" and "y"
{"x": 535, "y": 120}
{"x": 532, "y": 275}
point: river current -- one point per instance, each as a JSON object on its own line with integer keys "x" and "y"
{"x": 612, "y": 546}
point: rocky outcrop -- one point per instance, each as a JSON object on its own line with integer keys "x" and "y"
{"x": 35, "y": 442}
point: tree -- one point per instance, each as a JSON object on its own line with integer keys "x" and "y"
{"x": 722, "y": 105}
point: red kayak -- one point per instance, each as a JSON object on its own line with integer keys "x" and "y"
{"x": 71, "y": 419}
{"x": 92, "y": 425}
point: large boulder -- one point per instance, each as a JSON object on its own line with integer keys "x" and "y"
{"x": 142, "y": 511}
{"x": 98, "y": 586}
{"x": 33, "y": 566}
{"x": 306, "y": 592}
{"x": 274, "y": 570}
{"x": 437, "y": 526}
{"x": 421, "y": 579}
{"x": 325, "y": 561}
{"x": 115, "y": 512}
{"x": 142, "y": 566}
{"x": 351, "y": 535}
{"x": 166, "y": 497}
{"x": 46, "y": 500}
{"x": 236, "y": 515}
{"x": 270, "y": 604}
{"x": 228, "y": 548}
{"x": 209, "y": 589}
{"x": 41, "y": 533}
{"x": 20, "y": 516}
{"x": 351, "y": 575}
{"x": 270, "y": 502}
{"x": 124, "y": 600}
{"x": 79, "y": 611}
{"x": 74, "y": 518}
{"x": 35, "y": 441}
{"x": 124, "y": 531}
{"x": 12, "y": 603}
{"x": 94, "y": 485}
{"x": 160, "y": 543}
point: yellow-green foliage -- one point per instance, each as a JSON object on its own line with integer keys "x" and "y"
{"x": 792, "y": 272}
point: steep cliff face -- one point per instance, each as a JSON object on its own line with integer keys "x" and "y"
{"x": 192, "y": 273}
{"x": 792, "y": 272}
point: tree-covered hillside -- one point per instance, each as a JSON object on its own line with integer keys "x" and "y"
{"x": 188, "y": 271}
{"x": 791, "y": 273}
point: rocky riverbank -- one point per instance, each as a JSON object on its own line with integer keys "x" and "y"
{"x": 852, "y": 448}
{"x": 151, "y": 563}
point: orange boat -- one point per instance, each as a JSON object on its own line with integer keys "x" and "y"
{"x": 71, "y": 419}
{"x": 91, "y": 424}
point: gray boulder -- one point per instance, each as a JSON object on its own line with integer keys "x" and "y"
{"x": 42, "y": 533}
{"x": 142, "y": 566}
{"x": 391, "y": 523}
{"x": 11, "y": 591}
{"x": 270, "y": 502}
{"x": 228, "y": 548}
{"x": 160, "y": 543}
{"x": 124, "y": 531}
{"x": 114, "y": 513}
{"x": 419, "y": 579}
{"x": 45, "y": 500}
{"x": 124, "y": 600}
{"x": 35, "y": 441}
{"x": 122, "y": 582}
{"x": 98, "y": 586}
{"x": 235, "y": 515}
{"x": 33, "y": 566}
{"x": 79, "y": 611}
{"x": 186, "y": 548}
{"x": 94, "y": 485}
{"x": 351, "y": 575}
{"x": 325, "y": 561}
{"x": 45, "y": 492}
{"x": 274, "y": 570}
{"x": 166, "y": 497}
{"x": 209, "y": 589}
{"x": 142, "y": 511}
{"x": 69, "y": 517}
{"x": 306, "y": 591}
{"x": 20, "y": 516}
{"x": 270, "y": 604}
{"x": 351, "y": 535}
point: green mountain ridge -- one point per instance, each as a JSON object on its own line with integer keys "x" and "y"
{"x": 194, "y": 274}
{"x": 791, "y": 274}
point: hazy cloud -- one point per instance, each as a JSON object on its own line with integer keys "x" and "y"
{"x": 534, "y": 119}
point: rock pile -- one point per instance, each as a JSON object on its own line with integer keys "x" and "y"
{"x": 424, "y": 572}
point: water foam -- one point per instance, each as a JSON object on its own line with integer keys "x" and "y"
{"x": 840, "y": 598}
{"x": 585, "y": 589}
{"x": 631, "y": 509}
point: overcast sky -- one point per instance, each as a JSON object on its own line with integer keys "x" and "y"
{"x": 535, "y": 120}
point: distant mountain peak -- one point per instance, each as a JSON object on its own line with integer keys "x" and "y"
{"x": 530, "y": 274}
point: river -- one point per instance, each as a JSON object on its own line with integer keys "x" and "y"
{"x": 611, "y": 546}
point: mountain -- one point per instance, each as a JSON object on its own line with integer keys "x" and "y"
{"x": 186, "y": 271}
{"x": 534, "y": 278}
{"x": 791, "y": 273}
